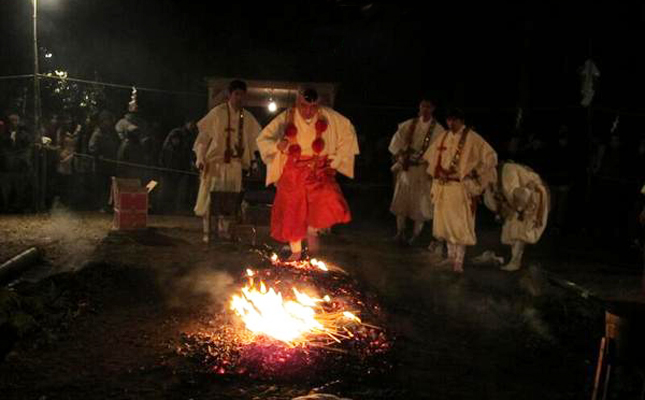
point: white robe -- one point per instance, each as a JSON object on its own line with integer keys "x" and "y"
{"x": 210, "y": 147}
{"x": 515, "y": 179}
{"x": 412, "y": 191}
{"x": 454, "y": 202}
{"x": 341, "y": 144}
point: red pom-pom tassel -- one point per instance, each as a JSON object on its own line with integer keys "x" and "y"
{"x": 290, "y": 131}
{"x": 318, "y": 145}
{"x": 321, "y": 126}
{"x": 294, "y": 150}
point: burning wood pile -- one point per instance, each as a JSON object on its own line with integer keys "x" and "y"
{"x": 293, "y": 319}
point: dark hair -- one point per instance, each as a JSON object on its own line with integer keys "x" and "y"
{"x": 309, "y": 94}
{"x": 456, "y": 113}
{"x": 236, "y": 84}
{"x": 429, "y": 98}
{"x": 105, "y": 116}
{"x": 191, "y": 117}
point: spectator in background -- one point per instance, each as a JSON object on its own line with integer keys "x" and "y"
{"x": 131, "y": 119}
{"x": 103, "y": 145}
{"x": 175, "y": 154}
{"x": 188, "y": 132}
{"x": 90, "y": 123}
{"x": 559, "y": 174}
{"x": 16, "y": 144}
{"x": 50, "y": 129}
{"x": 193, "y": 180}
{"x": 19, "y": 136}
{"x": 611, "y": 188}
{"x": 131, "y": 152}
{"x": 83, "y": 163}
{"x": 151, "y": 140}
{"x": 66, "y": 138}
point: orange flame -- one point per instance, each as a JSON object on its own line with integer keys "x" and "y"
{"x": 294, "y": 321}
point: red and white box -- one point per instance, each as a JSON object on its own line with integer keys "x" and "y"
{"x": 130, "y": 204}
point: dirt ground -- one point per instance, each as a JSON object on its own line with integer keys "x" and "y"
{"x": 114, "y": 307}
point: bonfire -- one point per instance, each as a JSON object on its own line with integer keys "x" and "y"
{"x": 296, "y": 318}
{"x": 292, "y": 318}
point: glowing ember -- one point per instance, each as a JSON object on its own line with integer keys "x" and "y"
{"x": 351, "y": 316}
{"x": 293, "y": 321}
{"x": 309, "y": 264}
{"x": 319, "y": 264}
{"x": 297, "y": 319}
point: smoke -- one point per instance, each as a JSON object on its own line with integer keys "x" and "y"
{"x": 485, "y": 300}
{"x": 492, "y": 305}
{"x": 202, "y": 286}
{"x": 181, "y": 285}
{"x": 75, "y": 239}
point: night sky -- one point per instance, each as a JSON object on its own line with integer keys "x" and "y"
{"x": 482, "y": 56}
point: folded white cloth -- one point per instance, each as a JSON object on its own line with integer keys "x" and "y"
{"x": 488, "y": 258}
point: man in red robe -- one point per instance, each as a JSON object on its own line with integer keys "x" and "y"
{"x": 304, "y": 147}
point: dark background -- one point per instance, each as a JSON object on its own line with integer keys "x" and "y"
{"x": 488, "y": 58}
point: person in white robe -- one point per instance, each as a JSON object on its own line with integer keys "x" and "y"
{"x": 521, "y": 199}
{"x": 224, "y": 147}
{"x": 410, "y": 143}
{"x": 462, "y": 164}
{"x": 303, "y": 148}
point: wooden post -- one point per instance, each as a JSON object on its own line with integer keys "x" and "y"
{"x": 599, "y": 368}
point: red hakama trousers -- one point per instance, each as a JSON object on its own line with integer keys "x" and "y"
{"x": 307, "y": 195}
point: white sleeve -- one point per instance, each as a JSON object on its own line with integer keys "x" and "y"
{"x": 346, "y": 150}
{"x": 205, "y": 127}
{"x": 267, "y": 141}
{"x": 398, "y": 140}
{"x": 201, "y": 145}
{"x": 487, "y": 168}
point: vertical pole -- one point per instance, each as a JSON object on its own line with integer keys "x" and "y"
{"x": 38, "y": 188}
{"x": 591, "y": 150}
{"x": 36, "y": 69}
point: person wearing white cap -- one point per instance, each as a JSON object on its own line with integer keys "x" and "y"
{"x": 521, "y": 198}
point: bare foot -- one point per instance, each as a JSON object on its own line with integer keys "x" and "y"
{"x": 458, "y": 268}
